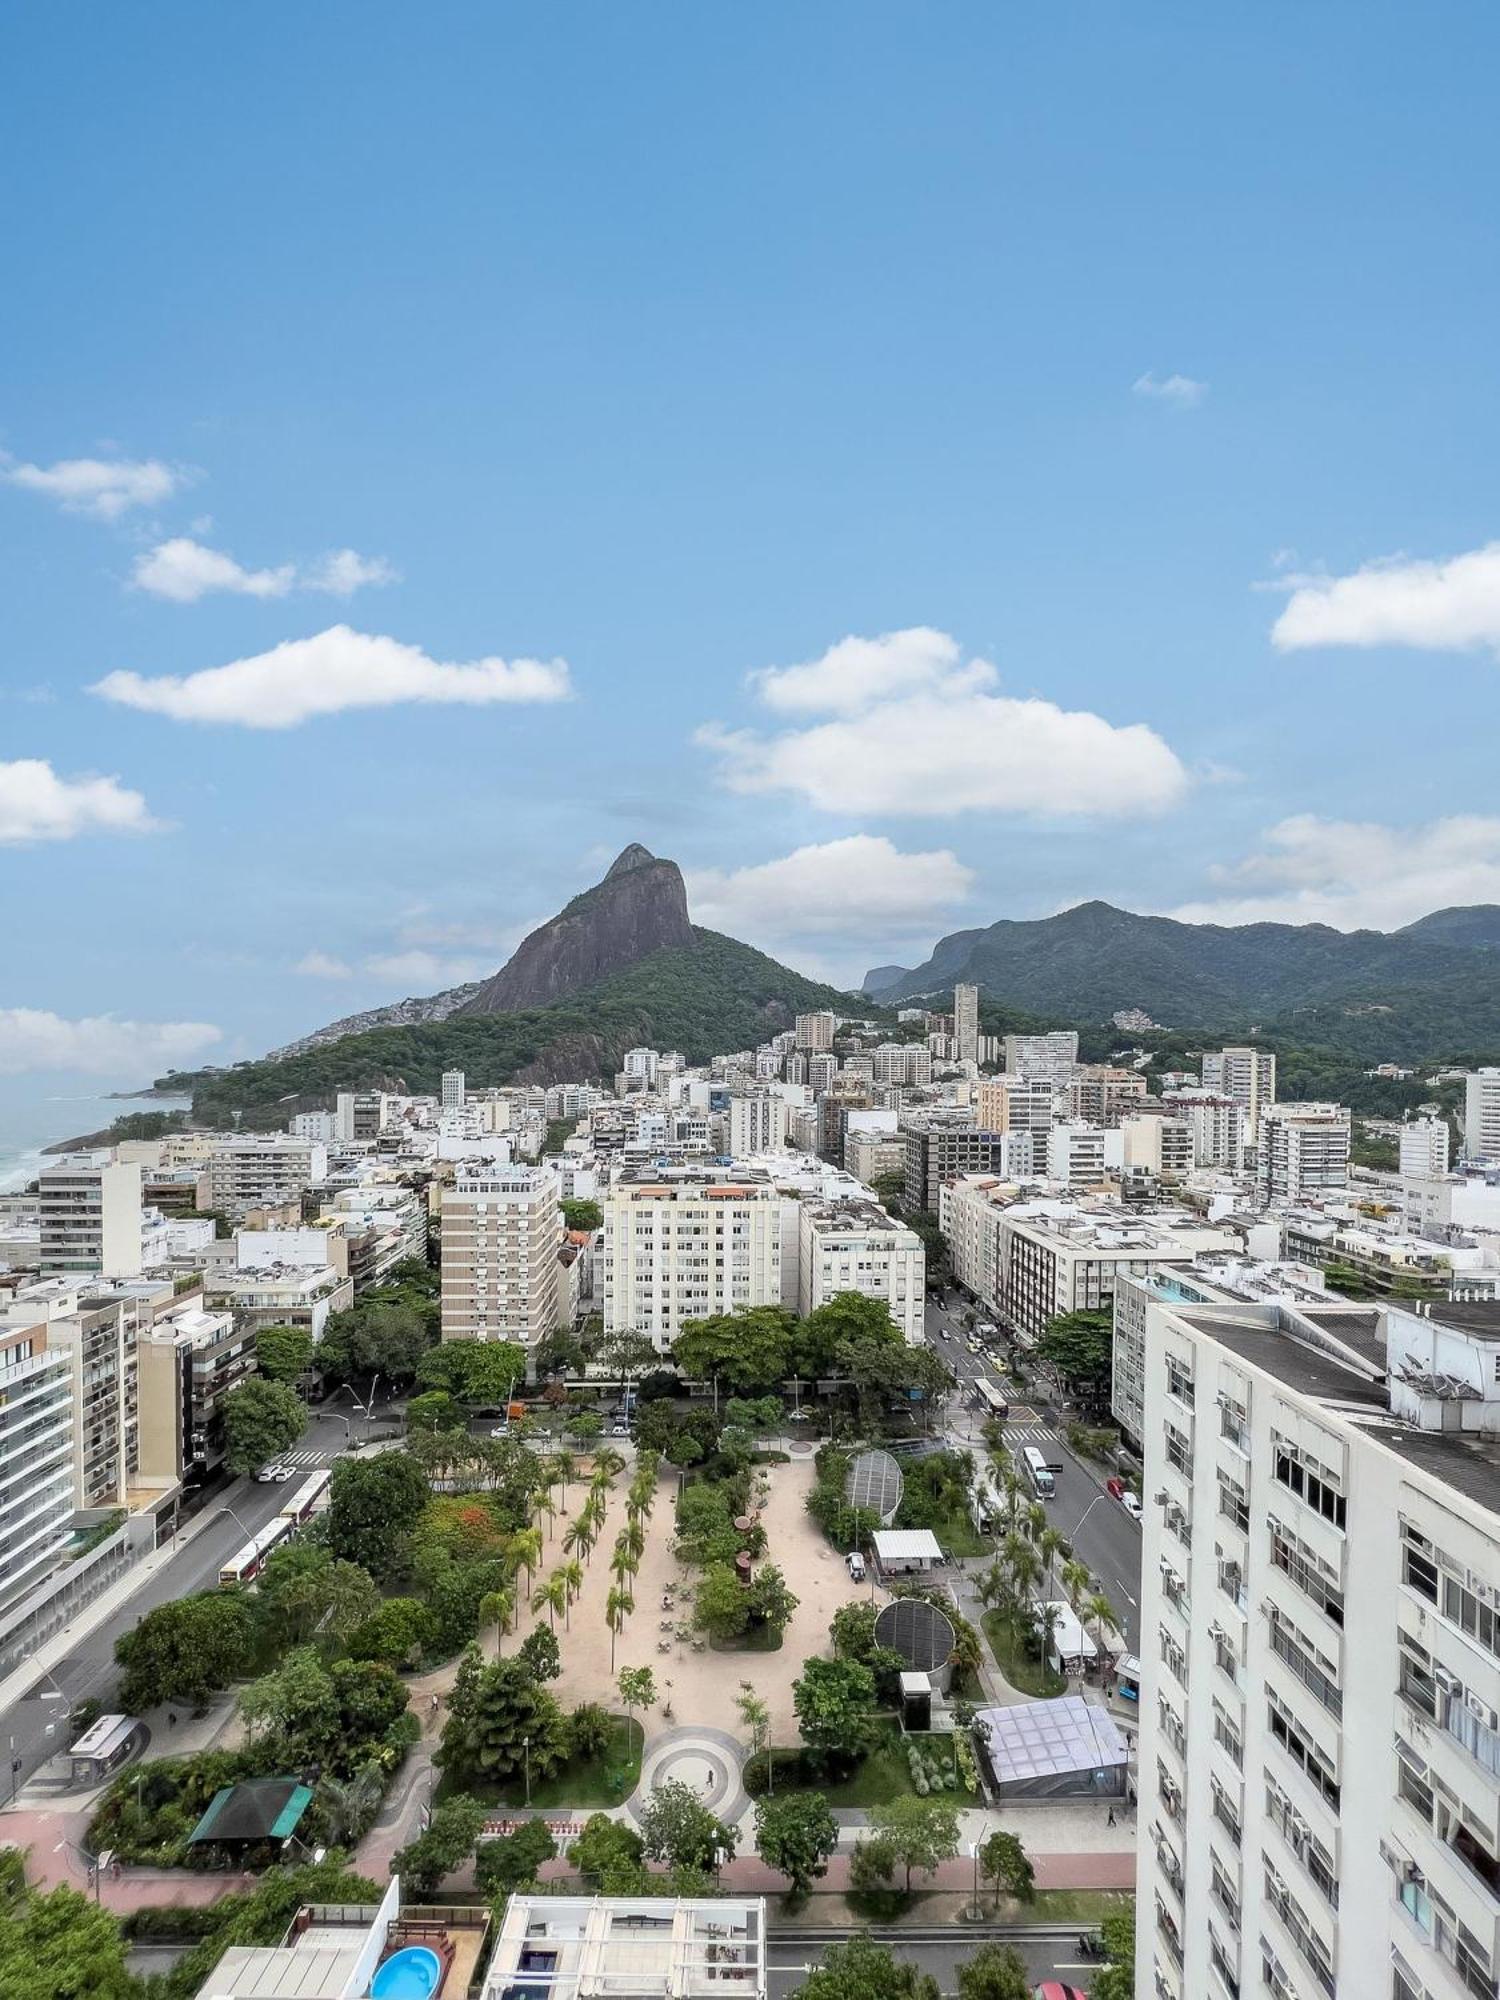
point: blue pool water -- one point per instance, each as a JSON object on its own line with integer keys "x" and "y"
{"x": 412, "y": 1974}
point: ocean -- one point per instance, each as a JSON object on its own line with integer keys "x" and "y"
{"x": 36, "y": 1112}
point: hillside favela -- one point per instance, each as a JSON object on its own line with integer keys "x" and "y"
{"x": 750, "y": 1005}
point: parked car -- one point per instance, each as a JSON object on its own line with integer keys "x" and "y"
{"x": 1131, "y": 1502}
{"x": 500, "y": 1431}
{"x": 619, "y": 1429}
{"x": 266, "y": 1475}
{"x": 283, "y": 1473}
{"x": 854, "y": 1562}
{"x": 1115, "y": 1487}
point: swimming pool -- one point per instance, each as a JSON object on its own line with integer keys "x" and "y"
{"x": 413, "y": 1974}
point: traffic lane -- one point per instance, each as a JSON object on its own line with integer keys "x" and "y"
{"x": 1108, "y": 1540}
{"x": 788, "y": 1965}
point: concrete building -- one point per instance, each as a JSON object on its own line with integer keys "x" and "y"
{"x": 1248, "y": 1075}
{"x": 1217, "y": 1125}
{"x": 90, "y": 1217}
{"x": 867, "y": 1155}
{"x": 1423, "y": 1146}
{"x": 452, "y": 1090}
{"x": 360, "y": 1116}
{"x": 854, "y": 1246}
{"x": 1101, "y": 1095}
{"x": 1158, "y": 1145}
{"x": 1050, "y": 1057}
{"x": 904, "y": 1064}
{"x": 1060, "y": 1257}
{"x": 687, "y": 1246}
{"x": 646, "y": 1948}
{"x": 755, "y": 1125}
{"x": 1082, "y": 1155}
{"x": 1302, "y": 1151}
{"x": 815, "y": 1031}
{"x": 966, "y": 1023}
{"x": 1320, "y": 1702}
{"x": 1016, "y": 1104}
{"x": 939, "y": 1150}
{"x": 186, "y": 1364}
{"x": 501, "y": 1232}
{"x": 301, "y": 1295}
{"x": 1482, "y": 1115}
{"x": 36, "y": 1456}
{"x": 262, "y": 1170}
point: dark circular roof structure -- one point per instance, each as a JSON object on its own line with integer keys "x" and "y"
{"x": 875, "y": 1482}
{"x": 922, "y": 1633}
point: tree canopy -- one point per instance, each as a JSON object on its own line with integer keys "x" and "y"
{"x": 262, "y": 1419}
{"x": 284, "y": 1353}
{"x": 861, "y": 1969}
{"x": 747, "y": 1352}
{"x": 185, "y": 1650}
{"x": 376, "y": 1502}
{"x": 795, "y": 1834}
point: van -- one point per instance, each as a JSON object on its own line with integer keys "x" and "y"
{"x": 854, "y": 1562}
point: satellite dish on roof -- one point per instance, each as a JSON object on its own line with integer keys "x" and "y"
{"x": 920, "y": 1632}
{"x": 875, "y": 1483}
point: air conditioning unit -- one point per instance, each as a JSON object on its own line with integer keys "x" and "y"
{"x": 1449, "y": 1683}
{"x": 1481, "y": 1709}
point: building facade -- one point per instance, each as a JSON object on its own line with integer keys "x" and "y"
{"x": 687, "y": 1248}
{"x": 91, "y": 1217}
{"x": 501, "y": 1234}
{"x": 1302, "y": 1151}
{"x": 1248, "y": 1075}
{"x": 854, "y": 1246}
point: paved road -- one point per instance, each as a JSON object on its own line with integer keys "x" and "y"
{"x": 1108, "y": 1540}
{"x": 35, "y": 1727}
{"x": 789, "y": 1960}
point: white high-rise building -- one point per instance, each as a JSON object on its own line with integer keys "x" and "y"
{"x": 91, "y": 1217}
{"x": 641, "y": 1066}
{"x": 262, "y": 1170}
{"x": 1248, "y": 1075}
{"x": 756, "y": 1125}
{"x": 966, "y": 1023}
{"x": 453, "y": 1090}
{"x": 854, "y": 1246}
{"x": 1158, "y": 1145}
{"x": 36, "y": 1456}
{"x": 686, "y": 1247}
{"x": 1302, "y": 1151}
{"x": 815, "y": 1031}
{"x": 1217, "y": 1125}
{"x": 1320, "y": 1705}
{"x": 1424, "y": 1148}
{"x": 501, "y": 1234}
{"x": 1482, "y": 1115}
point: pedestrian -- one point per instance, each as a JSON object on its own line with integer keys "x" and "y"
{"x": 1111, "y": 1820}
{"x": 171, "y": 1719}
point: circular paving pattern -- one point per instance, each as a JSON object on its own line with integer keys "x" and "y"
{"x": 707, "y": 1761}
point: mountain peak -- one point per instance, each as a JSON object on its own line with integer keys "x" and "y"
{"x": 633, "y": 856}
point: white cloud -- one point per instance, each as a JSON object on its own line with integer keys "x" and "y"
{"x": 321, "y": 965}
{"x": 425, "y": 971}
{"x": 99, "y": 1044}
{"x": 931, "y": 739}
{"x": 1447, "y": 606}
{"x": 36, "y": 804}
{"x": 333, "y": 671}
{"x": 862, "y": 885}
{"x": 102, "y": 486}
{"x": 1356, "y": 875}
{"x": 1181, "y": 391}
{"x": 185, "y": 570}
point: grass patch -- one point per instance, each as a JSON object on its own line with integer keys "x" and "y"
{"x": 1073, "y": 1906}
{"x": 882, "y": 1776}
{"x": 1014, "y": 1648}
{"x": 602, "y": 1781}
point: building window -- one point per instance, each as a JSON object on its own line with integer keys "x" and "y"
{"x": 1309, "y": 1481}
{"x": 1300, "y": 1747}
{"x": 1308, "y": 1571}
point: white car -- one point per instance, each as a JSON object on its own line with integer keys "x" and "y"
{"x": 266, "y": 1475}
{"x": 500, "y": 1431}
{"x": 1131, "y": 1502}
{"x": 283, "y": 1473}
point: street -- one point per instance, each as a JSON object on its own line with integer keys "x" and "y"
{"x": 792, "y": 1956}
{"x": 1101, "y": 1532}
{"x": 36, "y": 1726}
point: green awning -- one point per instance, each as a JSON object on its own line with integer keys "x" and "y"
{"x": 259, "y": 1809}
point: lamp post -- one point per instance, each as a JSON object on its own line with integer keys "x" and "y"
{"x": 94, "y": 1863}
{"x": 526, "y": 1753}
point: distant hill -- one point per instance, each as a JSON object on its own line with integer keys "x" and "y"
{"x": 1424, "y": 990}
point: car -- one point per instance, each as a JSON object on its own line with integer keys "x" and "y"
{"x": 619, "y": 1429}
{"x": 1114, "y": 1486}
{"x": 500, "y": 1431}
{"x": 1131, "y": 1502}
{"x": 266, "y": 1475}
{"x": 283, "y": 1473}
{"x": 854, "y": 1562}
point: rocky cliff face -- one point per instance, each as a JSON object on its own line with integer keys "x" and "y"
{"x": 640, "y": 907}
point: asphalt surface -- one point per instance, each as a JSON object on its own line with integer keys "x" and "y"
{"x": 1101, "y": 1532}
{"x": 790, "y": 1959}
{"x": 36, "y": 1727}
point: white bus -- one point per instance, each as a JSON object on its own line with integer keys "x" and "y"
{"x": 1039, "y": 1472}
{"x": 310, "y": 1498}
{"x": 247, "y": 1563}
{"x": 990, "y": 1398}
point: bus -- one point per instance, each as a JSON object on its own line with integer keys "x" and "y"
{"x": 989, "y": 1398}
{"x": 247, "y": 1563}
{"x": 310, "y": 1498}
{"x": 1039, "y": 1472}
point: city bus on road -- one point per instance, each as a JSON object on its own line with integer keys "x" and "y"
{"x": 247, "y": 1563}
{"x": 990, "y": 1399}
{"x": 1039, "y": 1472}
{"x": 310, "y": 1498}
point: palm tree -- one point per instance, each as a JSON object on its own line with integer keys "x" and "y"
{"x": 572, "y": 1575}
{"x": 617, "y": 1608}
{"x": 546, "y": 1506}
{"x": 497, "y": 1607}
{"x": 1076, "y": 1579}
{"x": 608, "y": 1461}
{"x": 633, "y": 1535}
{"x": 1036, "y": 1519}
{"x": 564, "y": 1469}
{"x": 1101, "y": 1614}
{"x": 578, "y": 1535}
{"x": 1046, "y": 1623}
{"x": 621, "y": 1563}
{"x": 551, "y": 1597}
{"x": 526, "y": 1551}
{"x": 1024, "y": 1564}
{"x": 1049, "y": 1545}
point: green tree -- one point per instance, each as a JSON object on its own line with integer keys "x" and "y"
{"x": 721, "y": 1607}
{"x": 262, "y": 1419}
{"x": 835, "y": 1703}
{"x": 1080, "y": 1346}
{"x": 795, "y": 1835}
{"x": 435, "y": 1410}
{"x": 376, "y": 1502}
{"x": 294, "y": 1706}
{"x": 474, "y": 1371}
{"x": 676, "y": 1827}
{"x": 580, "y": 1214}
{"x": 611, "y": 1854}
{"x": 861, "y": 1969}
{"x": 400, "y": 1633}
{"x": 304, "y": 1590}
{"x": 769, "y": 1600}
{"x": 503, "y": 1866}
{"x": 590, "y": 1732}
{"x": 920, "y": 1833}
{"x": 452, "y": 1831}
{"x": 852, "y": 1630}
{"x": 1004, "y": 1862}
{"x": 60, "y": 1946}
{"x": 540, "y": 1652}
{"x": 637, "y": 1689}
{"x": 1116, "y": 1981}
{"x": 284, "y": 1353}
{"x": 484, "y": 1740}
{"x": 755, "y": 1717}
{"x": 994, "y": 1972}
{"x": 185, "y": 1650}
{"x": 747, "y": 1352}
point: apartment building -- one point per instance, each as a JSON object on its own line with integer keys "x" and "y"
{"x": 755, "y": 1125}
{"x": 867, "y": 1155}
{"x": 902, "y": 1064}
{"x": 186, "y": 1364}
{"x": 1302, "y": 1151}
{"x": 1482, "y": 1115}
{"x": 262, "y": 1170}
{"x": 646, "y": 1948}
{"x": 1248, "y": 1075}
{"x": 278, "y": 1294}
{"x": 1101, "y": 1095}
{"x": 815, "y": 1031}
{"x": 1016, "y": 1104}
{"x": 1050, "y": 1057}
{"x": 1385, "y": 1256}
{"x": 360, "y": 1116}
{"x": 1217, "y": 1125}
{"x": 90, "y": 1217}
{"x": 1082, "y": 1155}
{"x": 452, "y": 1090}
{"x": 966, "y": 1023}
{"x": 854, "y": 1246}
{"x": 939, "y": 1150}
{"x": 1320, "y": 1703}
{"x": 99, "y": 1337}
{"x": 36, "y": 1454}
{"x": 687, "y": 1247}
{"x": 1158, "y": 1145}
{"x": 501, "y": 1234}
{"x": 1058, "y": 1257}
{"x": 1423, "y": 1144}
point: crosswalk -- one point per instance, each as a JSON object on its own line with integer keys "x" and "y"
{"x": 1032, "y": 1434}
{"x": 308, "y": 1458}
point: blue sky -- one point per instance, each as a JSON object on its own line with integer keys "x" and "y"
{"x": 1119, "y": 380}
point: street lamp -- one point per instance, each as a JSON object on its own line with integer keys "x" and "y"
{"x": 526, "y": 1753}
{"x": 94, "y": 1863}
{"x": 1073, "y": 1535}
